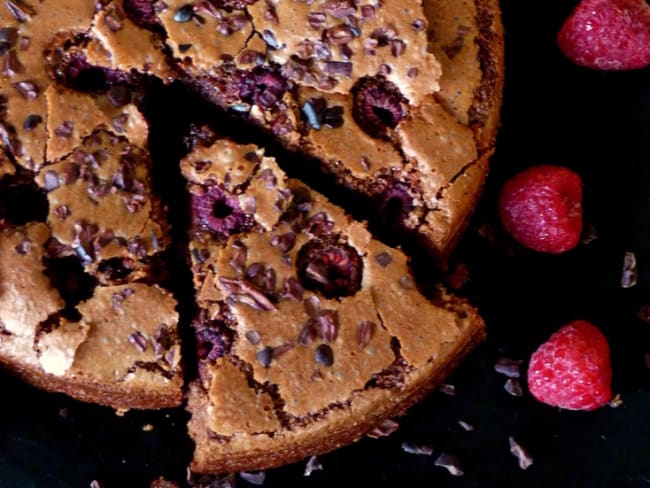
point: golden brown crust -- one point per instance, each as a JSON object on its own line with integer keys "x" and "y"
{"x": 112, "y": 395}
{"x": 337, "y": 428}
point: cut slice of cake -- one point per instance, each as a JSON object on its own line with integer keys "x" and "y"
{"x": 119, "y": 347}
{"x": 399, "y": 100}
{"x": 310, "y": 332}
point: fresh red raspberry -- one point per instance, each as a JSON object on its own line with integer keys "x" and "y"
{"x": 572, "y": 370}
{"x": 608, "y": 34}
{"x": 541, "y": 208}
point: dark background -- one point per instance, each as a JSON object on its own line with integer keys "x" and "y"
{"x": 554, "y": 113}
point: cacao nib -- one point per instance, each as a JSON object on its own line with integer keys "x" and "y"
{"x": 31, "y": 121}
{"x": 28, "y": 89}
{"x": 365, "y": 332}
{"x": 184, "y": 13}
{"x": 324, "y": 355}
{"x": 19, "y": 10}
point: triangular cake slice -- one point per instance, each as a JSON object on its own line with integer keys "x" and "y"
{"x": 310, "y": 332}
{"x": 119, "y": 347}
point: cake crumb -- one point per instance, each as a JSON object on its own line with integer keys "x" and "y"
{"x": 447, "y": 389}
{"x": 384, "y": 429}
{"x": 147, "y": 427}
{"x": 616, "y": 402}
{"x": 419, "y": 449}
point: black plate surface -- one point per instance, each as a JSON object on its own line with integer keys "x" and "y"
{"x": 554, "y": 113}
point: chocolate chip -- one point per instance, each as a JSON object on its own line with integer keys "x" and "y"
{"x": 365, "y": 332}
{"x": 139, "y": 341}
{"x": 184, "y": 13}
{"x": 31, "y": 121}
{"x": 324, "y": 355}
{"x": 383, "y": 35}
{"x": 28, "y": 89}
{"x": 19, "y": 10}
{"x": 265, "y": 356}
{"x": 271, "y": 14}
{"x": 64, "y": 129}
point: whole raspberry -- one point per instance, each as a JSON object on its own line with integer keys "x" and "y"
{"x": 572, "y": 369}
{"x": 608, "y": 34}
{"x": 541, "y": 208}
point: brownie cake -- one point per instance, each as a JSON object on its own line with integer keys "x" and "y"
{"x": 309, "y": 331}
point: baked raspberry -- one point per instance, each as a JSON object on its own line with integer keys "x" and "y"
{"x": 334, "y": 270}
{"x": 608, "y": 34}
{"x": 218, "y": 211}
{"x": 541, "y": 208}
{"x": 378, "y": 105}
{"x": 572, "y": 369}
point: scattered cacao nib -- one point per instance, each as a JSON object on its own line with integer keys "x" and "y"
{"x": 589, "y": 234}
{"x": 378, "y": 105}
{"x": 412, "y": 73}
{"x": 406, "y": 282}
{"x": 265, "y": 356}
{"x": 383, "y": 259}
{"x": 466, "y": 426}
{"x": 62, "y": 212}
{"x": 317, "y": 20}
{"x": 629, "y": 275}
{"x": 31, "y": 121}
{"x": 324, "y": 355}
{"x": 312, "y": 306}
{"x": 450, "y": 462}
{"x": 454, "y": 48}
{"x": 384, "y": 429}
{"x": 19, "y": 10}
{"x": 509, "y": 367}
{"x": 397, "y": 47}
{"x": 513, "y": 387}
{"x": 238, "y": 257}
{"x": 447, "y": 389}
{"x": 64, "y": 129}
{"x": 313, "y": 464}
{"x": 342, "y": 68}
{"x": 419, "y": 449}
{"x": 262, "y": 86}
{"x": 615, "y": 402}
{"x": 523, "y": 456}
{"x": 28, "y": 89}
{"x": 254, "y": 478}
{"x": 139, "y": 341}
{"x": 328, "y": 324}
{"x": 365, "y": 332}
{"x": 282, "y": 349}
{"x": 334, "y": 270}
{"x": 95, "y": 484}
{"x": 247, "y": 293}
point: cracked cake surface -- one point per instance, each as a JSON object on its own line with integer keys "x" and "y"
{"x": 308, "y": 315}
{"x": 308, "y": 331}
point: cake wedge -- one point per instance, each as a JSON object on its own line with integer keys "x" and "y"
{"x": 309, "y": 331}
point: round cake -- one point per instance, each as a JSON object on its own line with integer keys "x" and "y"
{"x": 304, "y": 332}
